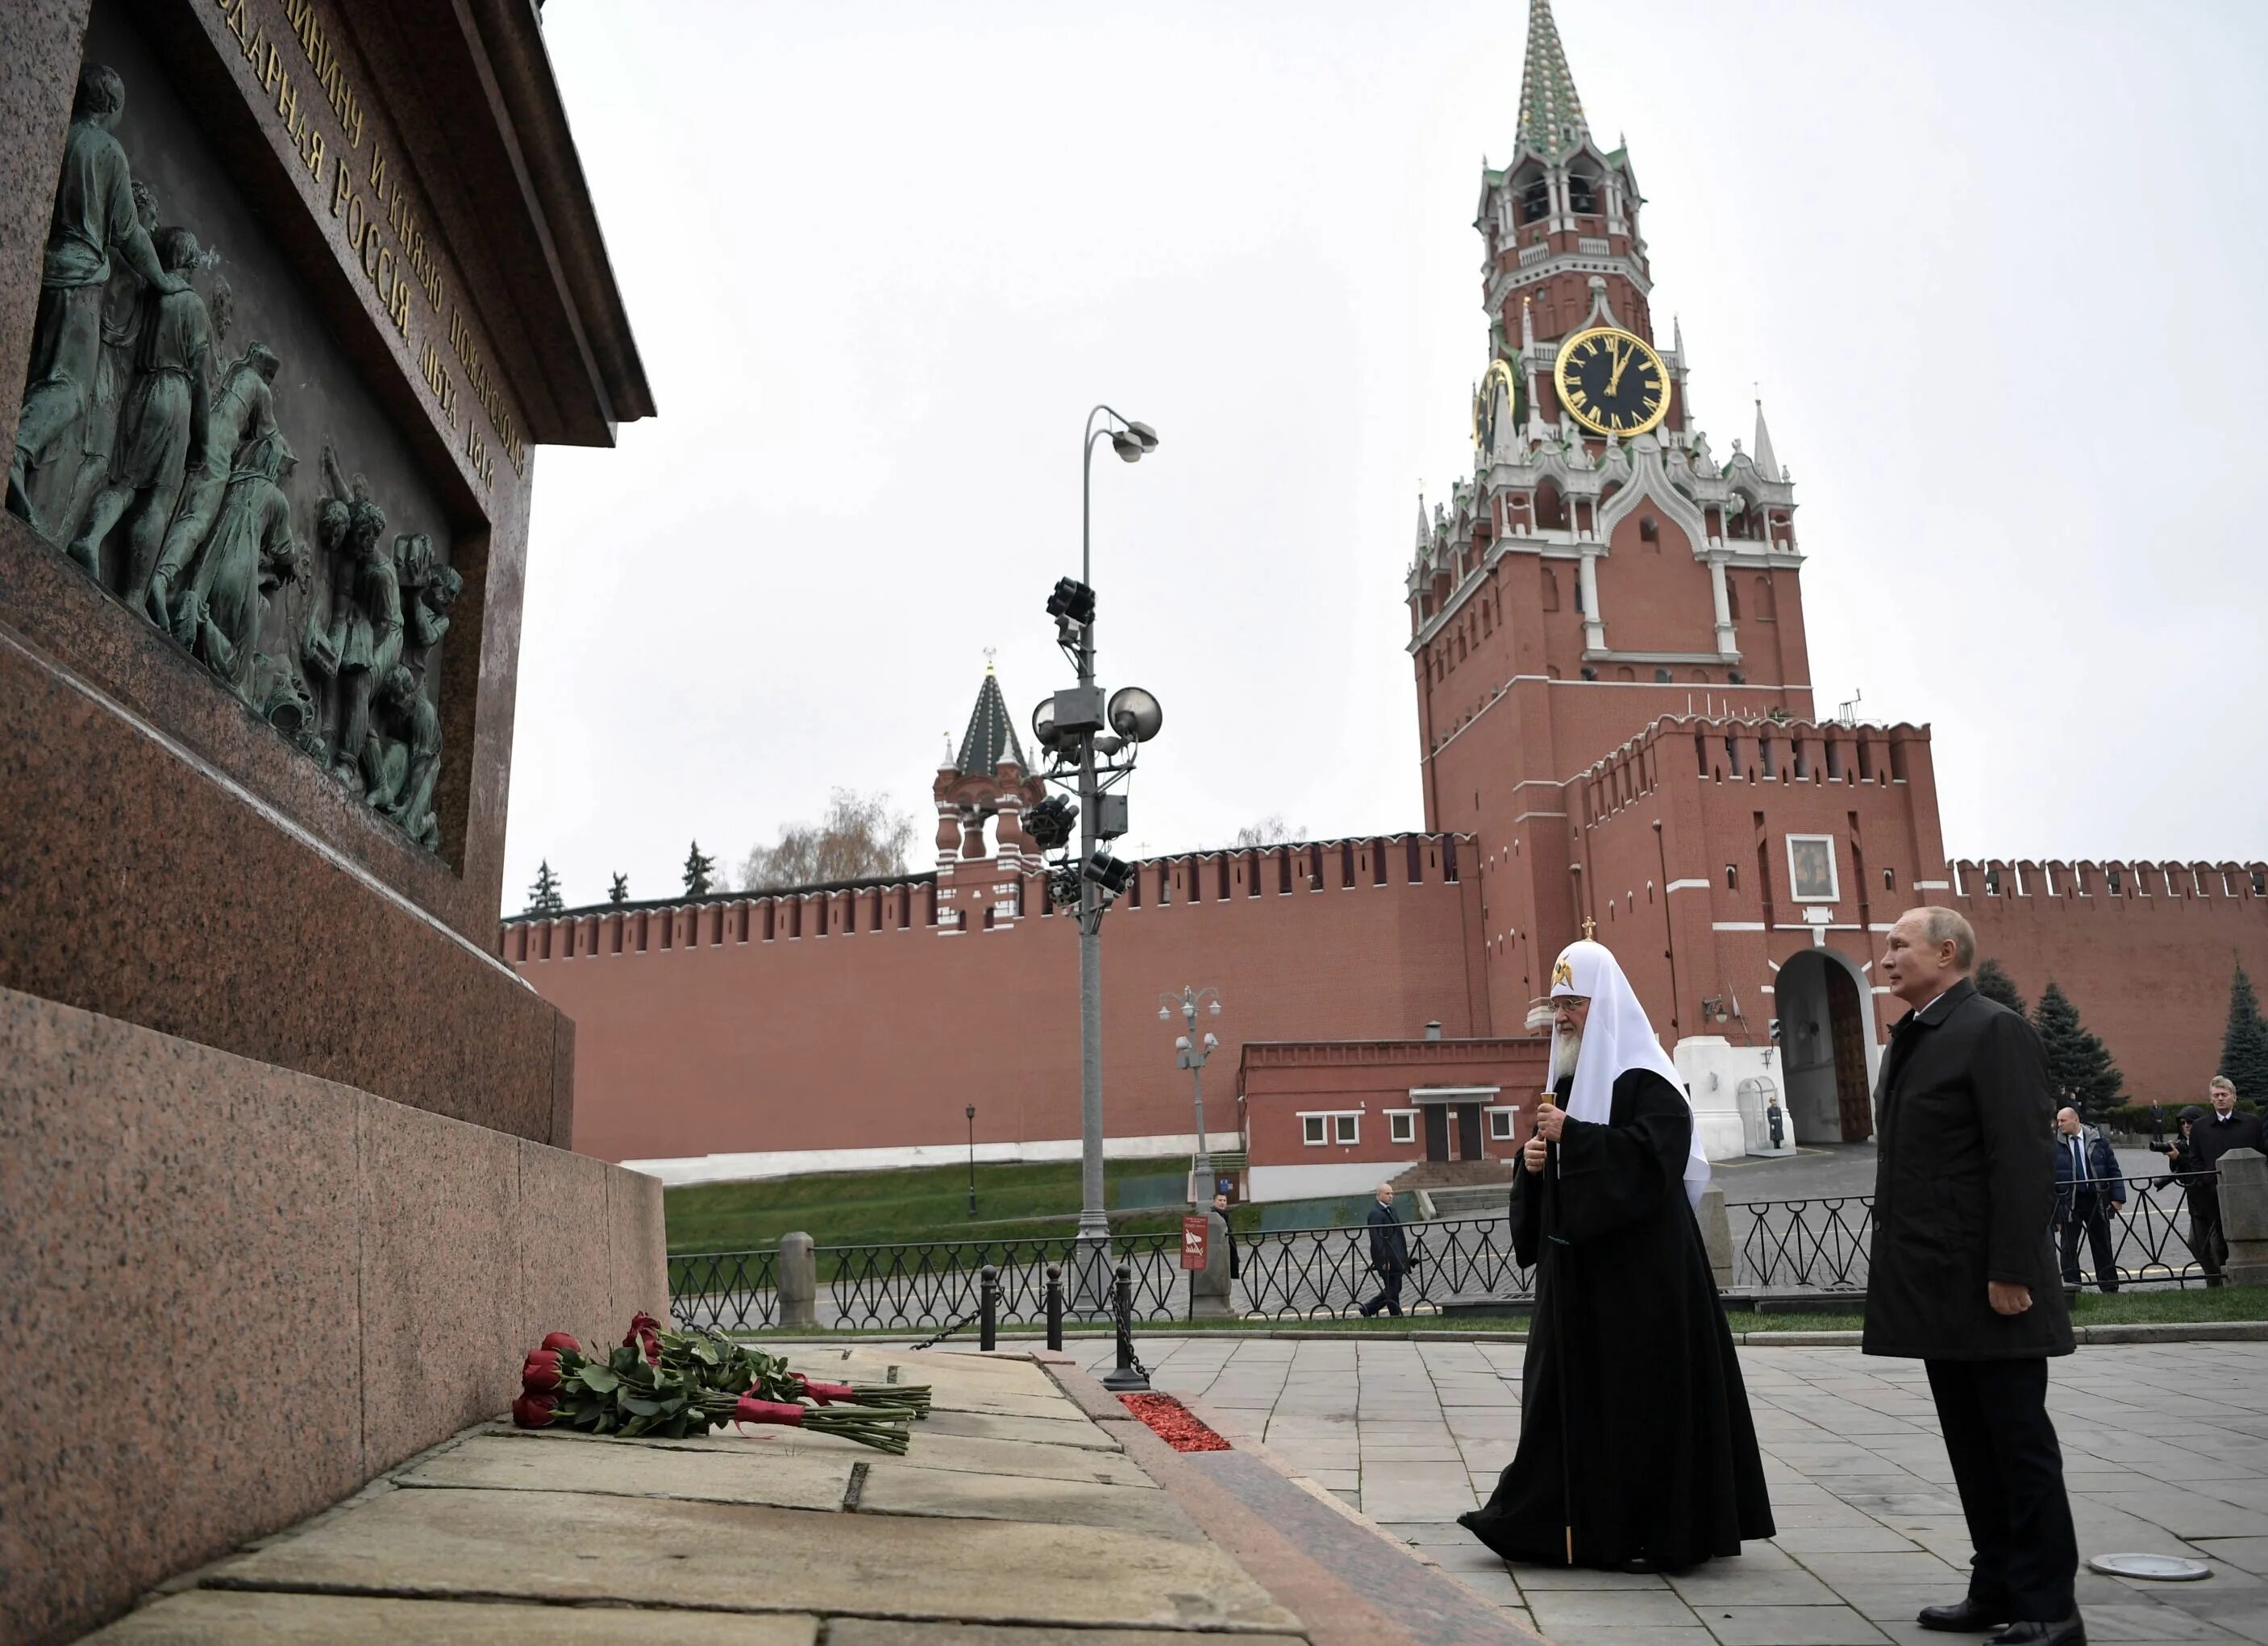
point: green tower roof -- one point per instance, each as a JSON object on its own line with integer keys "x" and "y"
{"x": 1552, "y": 121}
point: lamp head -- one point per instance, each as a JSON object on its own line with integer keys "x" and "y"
{"x": 1144, "y": 433}
{"x": 1128, "y": 447}
{"x": 1135, "y": 714}
{"x": 1180, "y": 1042}
{"x": 1165, "y": 1014}
{"x": 1212, "y": 1042}
{"x": 970, "y": 1110}
{"x": 1214, "y": 1007}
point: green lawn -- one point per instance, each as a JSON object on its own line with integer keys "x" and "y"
{"x": 915, "y": 1204}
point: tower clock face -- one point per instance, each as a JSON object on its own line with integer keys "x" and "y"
{"x": 1612, "y": 382}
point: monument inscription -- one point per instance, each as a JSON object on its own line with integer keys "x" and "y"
{"x": 196, "y": 439}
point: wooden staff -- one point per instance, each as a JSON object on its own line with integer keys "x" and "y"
{"x": 1558, "y": 1330}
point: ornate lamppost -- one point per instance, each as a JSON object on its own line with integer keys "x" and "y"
{"x": 1190, "y": 1051}
{"x": 971, "y": 1112}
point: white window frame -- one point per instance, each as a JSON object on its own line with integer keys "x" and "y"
{"x": 1346, "y": 1130}
{"x": 1834, "y": 871}
{"x": 1401, "y": 1126}
{"x": 1511, "y": 1117}
{"x": 1319, "y": 1124}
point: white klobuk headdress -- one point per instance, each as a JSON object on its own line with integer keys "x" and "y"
{"x": 1616, "y": 1038}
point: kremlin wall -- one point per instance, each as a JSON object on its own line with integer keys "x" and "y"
{"x": 1616, "y": 730}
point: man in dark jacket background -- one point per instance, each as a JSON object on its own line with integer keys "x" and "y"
{"x": 1389, "y": 1255}
{"x": 2200, "y": 1188}
{"x": 2089, "y": 1193}
{"x": 1963, "y": 1275}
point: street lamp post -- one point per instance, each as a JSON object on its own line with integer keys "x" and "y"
{"x": 1094, "y": 747}
{"x": 1190, "y": 1051}
{"x": 971, "y": 1112}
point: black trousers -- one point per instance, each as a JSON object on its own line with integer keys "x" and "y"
{"x": 2087, "y": 1212}
{"x": 2009, "y": 1470}
{"x": 1390, "y": 1296}
{"x": 2207, "y": 1242}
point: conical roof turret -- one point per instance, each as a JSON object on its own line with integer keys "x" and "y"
{"x": 1552, "y": 121}
{"x": 992, "y": 733}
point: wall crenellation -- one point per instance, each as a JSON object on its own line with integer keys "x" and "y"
{"x": 2130, "y": 883}
{"x": 982, "y": 894}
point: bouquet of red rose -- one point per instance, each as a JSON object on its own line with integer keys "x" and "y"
{"x": 675, "y": 1384}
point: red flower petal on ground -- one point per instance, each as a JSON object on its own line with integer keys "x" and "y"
{"x": 1173, "y": 1423}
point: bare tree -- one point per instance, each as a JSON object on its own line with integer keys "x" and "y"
{"x": 1271, "y": 830}
{"x": 858, "y": 838}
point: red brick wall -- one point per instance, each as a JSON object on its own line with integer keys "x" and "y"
{"x": 1279, "y": 1082}
{"x": 726, "y": 1043}
{"x": 2148, "y": 968}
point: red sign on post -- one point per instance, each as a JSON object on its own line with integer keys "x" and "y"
{"x": 1196, "y": 1228}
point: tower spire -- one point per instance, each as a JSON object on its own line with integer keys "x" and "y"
{"x": 1766, "y": 464}
{"x": 1550, "y": 115}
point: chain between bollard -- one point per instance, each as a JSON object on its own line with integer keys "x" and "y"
{"x": 1130, "y": 1376}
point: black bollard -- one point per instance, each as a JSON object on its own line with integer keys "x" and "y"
{"x": 1128, "y": 1377}
{"x": 1054, "y": 1307}
{"x": 987, "y": 1309}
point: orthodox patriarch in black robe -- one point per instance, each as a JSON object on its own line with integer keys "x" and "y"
{"x": 1636, "y": 1445}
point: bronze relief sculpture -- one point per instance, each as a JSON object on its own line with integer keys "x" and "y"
{"x": 141, "y": 446}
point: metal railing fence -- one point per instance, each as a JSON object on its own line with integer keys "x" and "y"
{"x": 1819, "y": 1244}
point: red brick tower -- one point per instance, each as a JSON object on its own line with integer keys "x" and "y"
{"x": 987, "y": 781}
{"x": 1602, "y": 568}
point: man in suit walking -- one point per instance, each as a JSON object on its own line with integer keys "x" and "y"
{"x": 2089, "y": 1193}
{"x": 1963, "y": 1277}
{"x": 1389, "y": 1255}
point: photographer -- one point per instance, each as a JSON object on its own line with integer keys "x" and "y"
{"x": 2197, "y": 1180}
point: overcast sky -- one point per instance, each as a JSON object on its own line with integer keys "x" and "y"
{"x": 1995, "y": 265}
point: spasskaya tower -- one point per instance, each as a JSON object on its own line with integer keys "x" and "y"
{"x": 1602, "y": 567}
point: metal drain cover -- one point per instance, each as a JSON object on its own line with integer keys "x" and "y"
{"x": 2165, "y": 1569}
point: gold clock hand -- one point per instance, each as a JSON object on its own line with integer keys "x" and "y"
{"x": 1622, "y": 364}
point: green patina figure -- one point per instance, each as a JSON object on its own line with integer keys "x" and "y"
{"x": 250, "y": 552}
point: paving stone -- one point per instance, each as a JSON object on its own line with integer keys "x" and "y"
{"x": 1871, "y": 1538}
{"x": 218, "y": 1617}
{"x": 733, "y": 1556}
{"x": 928, "y": 1449}
{"x": 1559, "y": 1579}
{"x": 1659, "y": 1634}
{"x": 2248, "y": 1554}
{"x": 2142, "y": 1621}
{"x": 1789, "y": 1626}
{"x": 800, "y": 1481}
{"x": 1561, "y": 1609}
{"x": 1072, "y": 1430}
{"x": 1010, "y": 1497}
{"x": 1720, "y": 1584}
{"x": 881, "y": 1632}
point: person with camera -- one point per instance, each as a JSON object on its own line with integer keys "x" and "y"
{"x": 2198, "y": 1182}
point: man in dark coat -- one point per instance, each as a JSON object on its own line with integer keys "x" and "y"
{"x": 2200, "y": 1188}
{"x": 1637, "y": 1450}
{"x": 1389, "y": 1255}
{"x": 1227, "y": 1233}
{"x": 1963, "y": 1275}
{"x": 2089, "y": 1193}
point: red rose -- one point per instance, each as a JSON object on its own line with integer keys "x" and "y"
{"x": 645, "y": 1334}
{"x": 539, "y": 1373}
{"x": 560, "y": 1340}
{"x": 532, "y": 1411}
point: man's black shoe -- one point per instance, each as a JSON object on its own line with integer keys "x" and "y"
{"x": 2070, "y": 1632}
{"x": 1963, "y": 1617}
